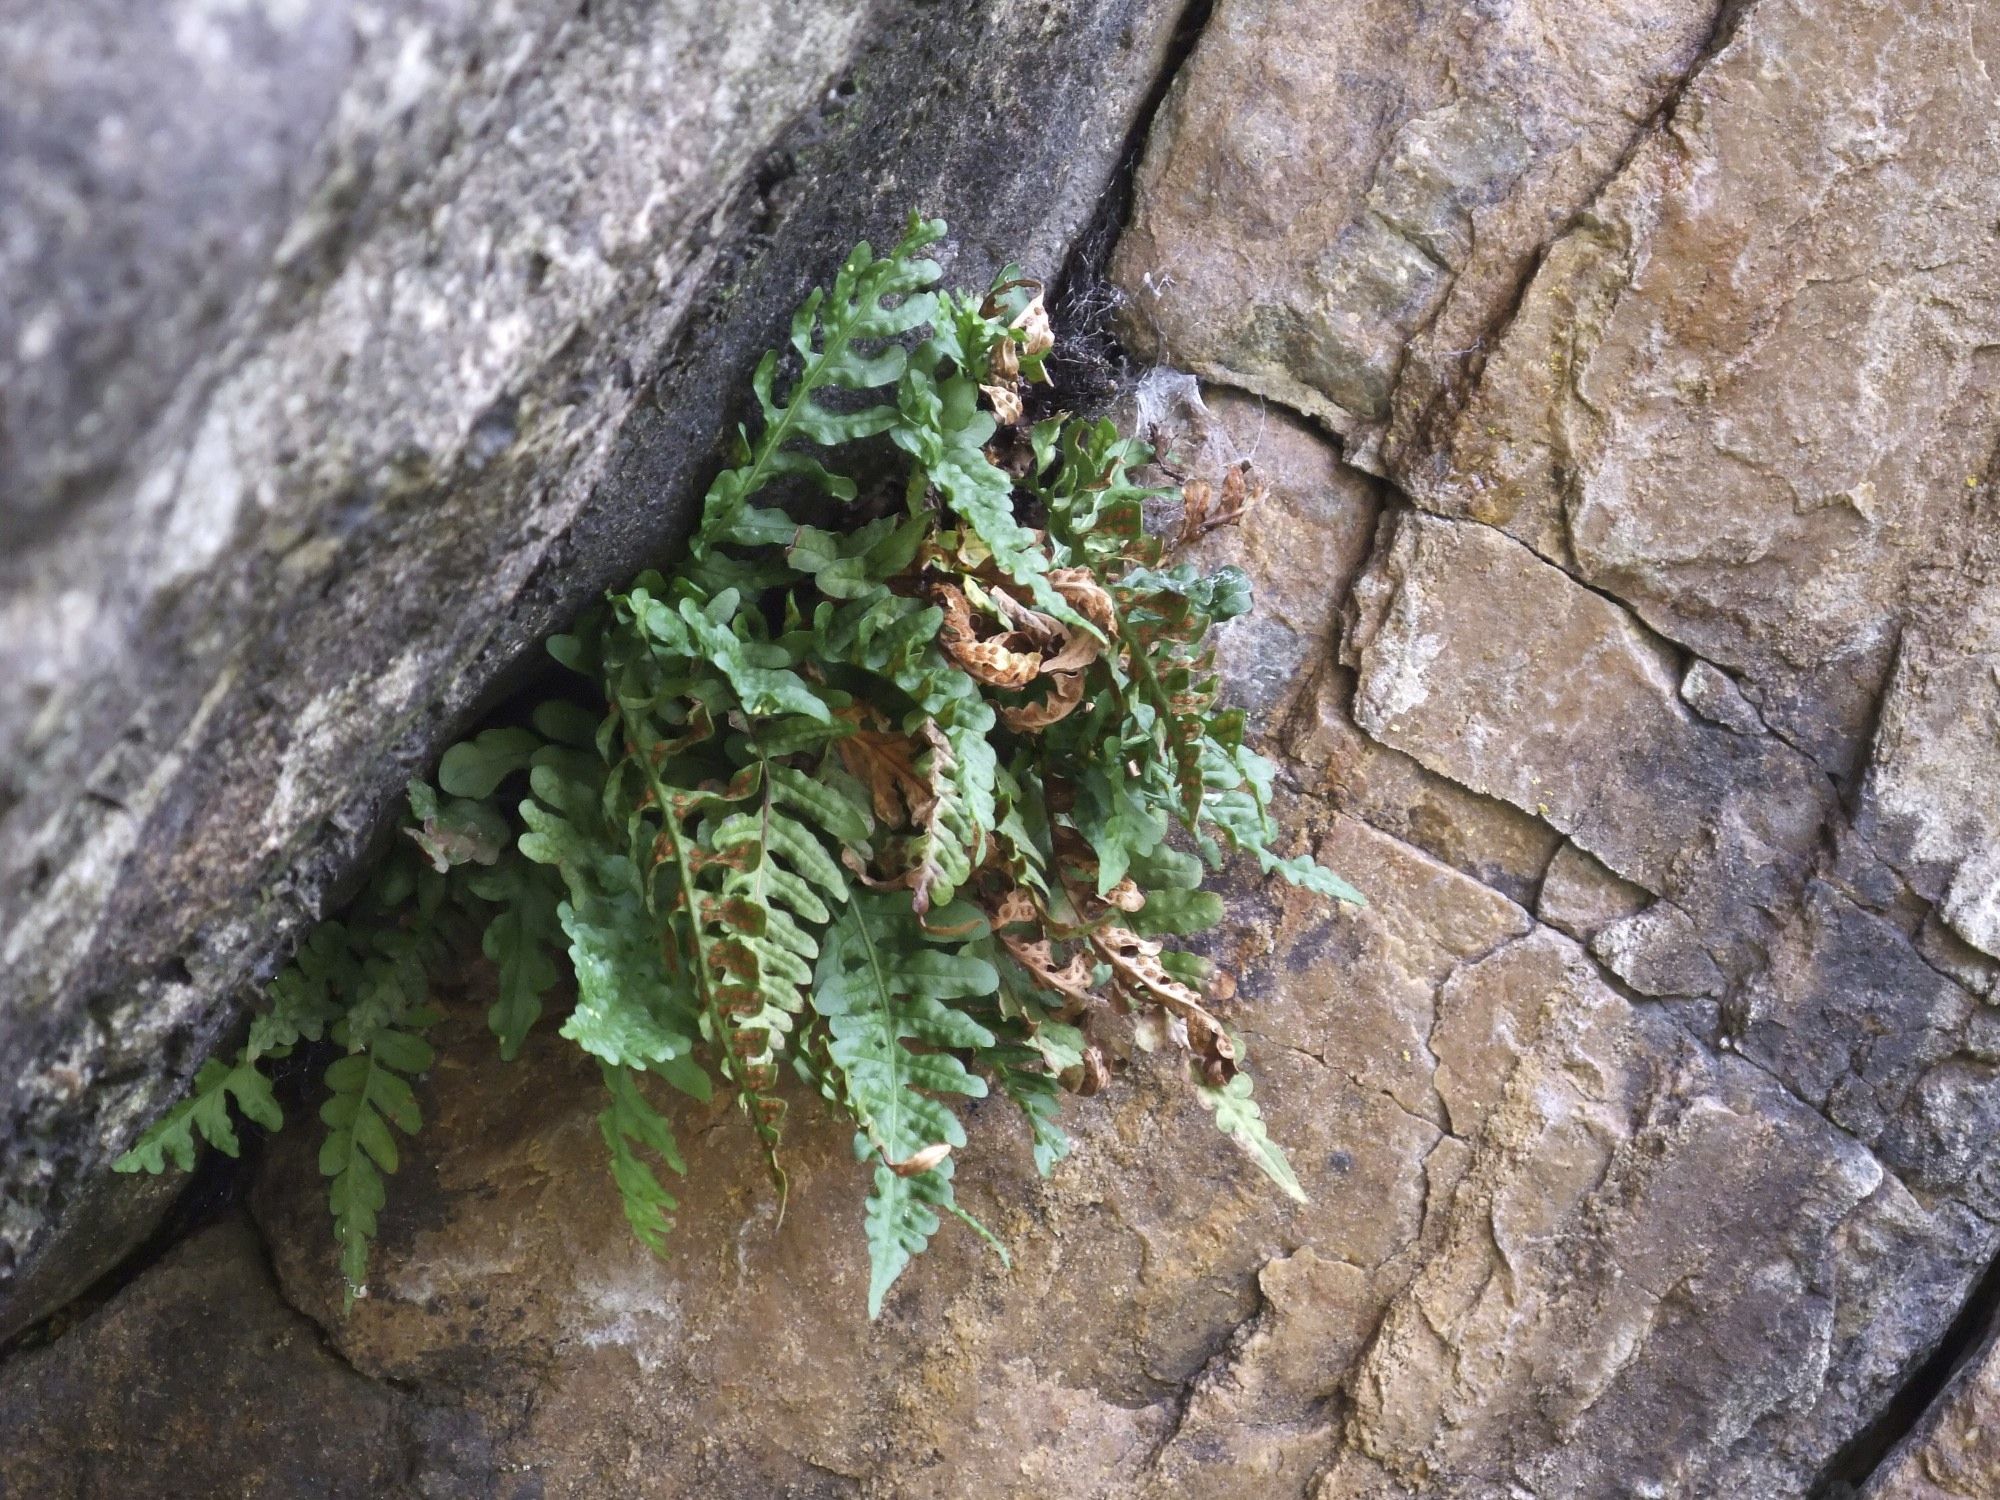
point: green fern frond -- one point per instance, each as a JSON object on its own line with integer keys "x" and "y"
{"x": 630, "y": 1124}
{"x": 522, "y": 940}
{"x": 1238, "y": 1117}
{"x": 897, "y": 802}
{"x": 884, "y": 983}
{"x": 205, "y": 1111}
{"x": 828, "y": 334}
{"x": 630, "y": 1011}
{"x": 369, "y": 1091}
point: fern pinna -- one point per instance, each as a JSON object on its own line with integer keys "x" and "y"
{"x": 913, "y": 806}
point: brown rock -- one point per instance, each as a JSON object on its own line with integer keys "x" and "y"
{"x": 1582, "y": 898}
{"x": 506, "y": 1277}
{"x": 197, "y": 1379}
{"x": 1302, "y": 543}
{"x": 1500, "y": 671}
{"x": 1484, "y": 837}
{"x": 1758, "y": 424}
{"x": 1334, "y": 192}
{"x": 1658, "y": 952}
{"x": 1634, "y": 1219}
{"x": 1955, "y": 1452}
{"x": 1932, "y": 797}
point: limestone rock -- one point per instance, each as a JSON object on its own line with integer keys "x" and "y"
{"x": 1932, "y": 797}
{"x": 1713, "y": 693}
{"x": 1302, "y": 543}
{"x": 1595, "y": 1137}
{"x": 1500, "y": 671}
{"x": 1582, "y": 898}
{"x": 1658, "y": 952}
{"x": 1762, "y": 427}
{"x": 1955, "y": 1455}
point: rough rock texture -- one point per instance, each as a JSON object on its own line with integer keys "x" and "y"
{"x": 1752, "y": 392}
{"x": 298, "y": 455}
{"x": 1650, "y": 1112}
{"x": 1955, "y": 1453}
{"x": 1340, "y": 200}
{"x": 198, "y": 1380}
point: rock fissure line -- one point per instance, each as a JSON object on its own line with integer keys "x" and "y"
{"x": 1907, "y": 1406}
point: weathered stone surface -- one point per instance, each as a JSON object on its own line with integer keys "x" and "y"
{"x": 1339, "y": 200}
{"x": 198, "y": 1380}
{"x": 1955, "y": 1453}
{"x": 458, "y": 351}
{"x": 506, "y": 1276}
{"x": 1932, "y": 798}
{"x": 1854, "y": 1021}
{"x": 1582, "y": 898}
{"x": 1593, "y": 1136}
{"x": 1302, "y": 543}
{"x": 1500, "y": 671}
{"x": 1651, "y": 1109}
{"x": 1658, "y": 952}
{"x": 1752, "y": 392}
{"x": 1713, "y": 693}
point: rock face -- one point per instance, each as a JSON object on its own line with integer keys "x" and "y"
{"x": 299, "y": 455}
{"x": 199, "y": 1380}
{"x": 1635, "y": 647}
{"x": 1955, "y": 1453}
{"x": 1340, "y": 201}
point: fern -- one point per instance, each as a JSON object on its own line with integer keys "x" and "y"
{"x": 1239, "y": 1118}
{"x": 369, "y": 1091}
{"x": 205, "y": 1111}
{"x": 629, "y": 1123}
{"x": 921, "y": 804}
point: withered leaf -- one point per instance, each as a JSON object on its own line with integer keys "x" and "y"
{"x": 886, "y": 764}
{"x": 1005, "y": 401}
{"x": 920, "y": 1162}
{"x": 1065, "y": 693}
{"x": 1138, "y": 974}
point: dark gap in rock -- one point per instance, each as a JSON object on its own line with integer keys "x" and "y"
{"x": 1847, "y": 1473}
{"x": 1088, "y": 363}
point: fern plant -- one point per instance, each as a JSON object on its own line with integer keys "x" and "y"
{"x": 892, "y": 804}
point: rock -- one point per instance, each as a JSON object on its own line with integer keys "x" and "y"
{"x": 197, "y": 1379}
{"x": 1500, "y": 671}
{"x": 1596, "y": 1137}
{"x": 1338, "y": 202}
{"x": 112, "y": 1215}
{"x": 1762, "y": 427}
{"x": 1713, "y": 693}
{"x": 1582, "y": 898}
{"x": 1955, "y": 1453}
{"x": 1483, "y": 837}
{"x": 1649, "y": 1111}
{"x": 446, "y": 351}
{"x": 1267, "y": 657}
{"x": 1931, "y": 801}
{"x": 1658, "y": 952}
{"x": 506, "y": 1279}
{"x": 1855, "y": 1022}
